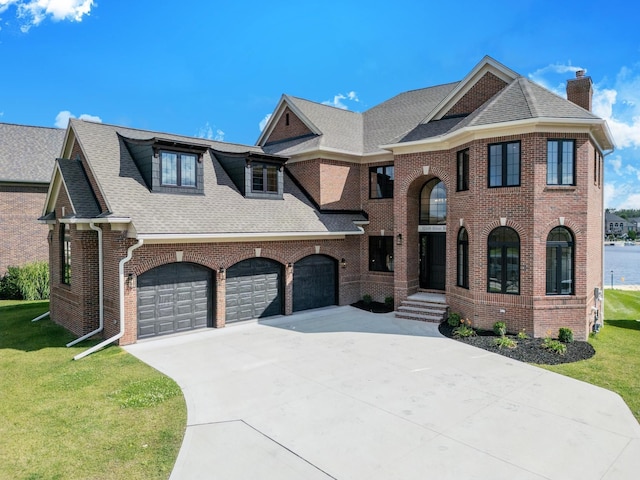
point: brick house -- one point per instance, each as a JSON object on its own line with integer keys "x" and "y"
{"x": 486, "y": 191}
{"x": 26, "y": 157}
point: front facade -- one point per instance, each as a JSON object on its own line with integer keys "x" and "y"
{"x": 487, "y": 191}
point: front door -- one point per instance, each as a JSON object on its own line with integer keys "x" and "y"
{"x": 433, "y": 260}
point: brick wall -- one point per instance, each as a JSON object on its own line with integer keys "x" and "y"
{"x": 291, "y": 129}
{"x": 482, "y": 90}
{"x": 24, "y": 239}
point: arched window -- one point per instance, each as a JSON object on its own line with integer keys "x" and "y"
{"x": 560, "y": 262}
{"x": 463, "y": 258}
{"x": 503, "y": 263}
{"x": 433, "y": 203}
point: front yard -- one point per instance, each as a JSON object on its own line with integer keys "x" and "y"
{"x": 107, "y": 416}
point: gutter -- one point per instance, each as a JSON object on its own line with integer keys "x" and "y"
{"x": 121, "y": 282}
{"x": 100, "y": 289}
{"x": 599, "y": 322}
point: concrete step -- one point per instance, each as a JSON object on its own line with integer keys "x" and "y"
{"x": 425, "y": 305}
{"x": 420, "y": 317}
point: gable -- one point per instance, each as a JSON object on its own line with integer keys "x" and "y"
{"x": 477, "y": 95}
{"x": 288, "y": 126}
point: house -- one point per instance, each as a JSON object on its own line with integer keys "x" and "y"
{"x": 616, "y": 225}
{"x": 26, "y": 158}
{"x": 486, "y": 192}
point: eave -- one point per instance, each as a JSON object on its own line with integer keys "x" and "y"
{"x": 155, "y": 238}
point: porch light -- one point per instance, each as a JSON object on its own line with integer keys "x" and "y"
{"x": 129, "y": 280}
{"x": 399, "y": 239}
{"x": 343, "y": 263}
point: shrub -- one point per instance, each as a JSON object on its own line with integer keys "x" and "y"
{"x": 565, "y": 335}
{"x": 522, "y": 335}
{"x": 554, "y": 345}
{"x": 29, "y": 282}
{"x": 453, "y": 320}
{"x": 500, "y": 329}
{"x": 367, "y": 299}
{"x": 464, "y": 330}
{"x": 505, "y": 342}
{"x": 388, "y": 301}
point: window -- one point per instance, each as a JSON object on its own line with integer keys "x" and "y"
{"x": 560, "y": 262}
{"x": 381, "y": 182}
{"x": 504, "y": 164}
{"x": 463, "y": 258}
{"x": 503, "y": 261}
{"x": 381, "y": 254}
{"x": 178, "y": 169}
{"x": 463, "y": 171}
{"x": 65, "y": 253}
{"x": 264, "y": 178}
{"x": 433, "y": 203}
{"x": 560, "y": 162}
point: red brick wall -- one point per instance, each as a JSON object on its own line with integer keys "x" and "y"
{"x": 482, "y": 91}
{"x": 24, "y": 239}
{"x": 282, "y": 131}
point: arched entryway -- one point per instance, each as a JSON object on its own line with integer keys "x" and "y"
{"x": 432, "y": 228}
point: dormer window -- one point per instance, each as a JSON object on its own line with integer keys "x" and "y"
{"x": 178, "y": 169}
{"x": 264, "y": 178}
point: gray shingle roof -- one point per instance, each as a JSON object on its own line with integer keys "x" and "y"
{"x": 222, "y": 209}
{"x": 82, "y": 198}
{"x": 27, "y": 154}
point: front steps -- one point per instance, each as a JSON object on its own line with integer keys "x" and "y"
{"x": 424, "y": 307}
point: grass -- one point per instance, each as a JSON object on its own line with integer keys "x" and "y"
{"x": 107, "y": 416}
{"x": 616, "y": 364}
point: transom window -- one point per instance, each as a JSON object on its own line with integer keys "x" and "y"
{"x": 433, "y": 203}
{"x": 381, "y": 182}
{"x": 504, "y": 164}
{"x": 463, "y": 171}
{"x": 381, "y": 254}
{"x": 463, "y": 258}
{"x": 503, "y": 261}
{"x": 264, "y": 178}
{"x": 560, "y": 262}
{"x": 560, "y": 162}
{"x": 177, "y": 169}
{"x": 65, "y": 253}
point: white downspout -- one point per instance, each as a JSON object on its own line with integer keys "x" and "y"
{"x": 121, "y": 332}
{"x": 100, "y": 289}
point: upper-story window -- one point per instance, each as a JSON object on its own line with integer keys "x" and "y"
{"x": 381, "y": 182}
{"x": 463, "y": 171}
{"x": 264, "y": 178}
{"x": 178, "y": 169}
{"x": 433, "y": 203}
{"x": 504, "y": 164}
{"x": 560, "y": 162}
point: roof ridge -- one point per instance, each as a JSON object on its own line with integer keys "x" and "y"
{"x": 529, "y": 97}
{"x": 30, "y": 126}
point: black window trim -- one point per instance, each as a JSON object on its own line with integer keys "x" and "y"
{"x": 504, "y": 255}
{"x": 265, "y": 167}
{"x": 65, "y": 253}
{"x": 559, "y": 245}
{"x": 373, "y": 169}
{"x": 179, "y": 154}
{"x": 462, "y": 182}
{"x": 387, "y": 253}
{"x": 560, "y": 158}
{"x": 504, "y": 172}
{"x": 462, "y": 277}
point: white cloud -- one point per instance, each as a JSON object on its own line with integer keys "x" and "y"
{"x": 264, "y": 121}
{"x": 337, "y": 100}
{"x": 62, "y": 119}
{"x": 32, "y": 12}
{"x": 211, "y": 133}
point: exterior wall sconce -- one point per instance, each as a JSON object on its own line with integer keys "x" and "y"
{"x": 129, "y": 280}
{"x": 343, "y": 263}
{"x": 289, "y": 265}
{"x": 221, "y": 270}
{"x": 399, "y": 239}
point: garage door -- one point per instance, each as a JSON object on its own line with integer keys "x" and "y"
{"x": 314, "y": 282}
{"x": 253, "y": 290}
{"x": 174, "y": 298}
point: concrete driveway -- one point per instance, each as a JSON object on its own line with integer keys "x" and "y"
{"x": 339, "y": 393}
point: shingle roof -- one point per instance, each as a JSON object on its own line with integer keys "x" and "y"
{"x": 82, "y": 198}
{"x": 221, "y": 209}
{"x": 27, "y": 154}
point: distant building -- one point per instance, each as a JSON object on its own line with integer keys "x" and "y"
{"x": 616, "y": 225}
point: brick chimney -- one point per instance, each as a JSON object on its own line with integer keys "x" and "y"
{"x": 580, "y": 90}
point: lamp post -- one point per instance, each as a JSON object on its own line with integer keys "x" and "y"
{"x": 611, "y": 279}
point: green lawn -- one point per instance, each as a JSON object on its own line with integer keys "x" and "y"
{"x": 107, "y": 416}
{"x": 616, "y": 364}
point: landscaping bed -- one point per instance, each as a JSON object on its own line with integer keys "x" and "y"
{"x": 374, "y": 307}
{"x": 529, "y": 350}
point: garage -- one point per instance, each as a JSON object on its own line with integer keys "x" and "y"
{"x": 173, "y": 298}
{"x": 314, "y": 282}
{"x": 253, "y": 290}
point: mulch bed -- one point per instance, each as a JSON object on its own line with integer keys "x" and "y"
{"x": 528, "y": 350}
{"x": 374, "y": 307}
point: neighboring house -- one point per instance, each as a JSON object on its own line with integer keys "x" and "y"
{"x": 27, "y": 156}
{"x": 488, "y": 191}
{"x": 616, "y": 225}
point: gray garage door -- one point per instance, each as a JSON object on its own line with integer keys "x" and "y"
{"x": 314, "y": 282}
{"x": 174, "y": 298}
{"x": 253, "y": 289}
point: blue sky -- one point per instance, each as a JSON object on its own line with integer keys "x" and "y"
{"x": 216, "y": 69}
